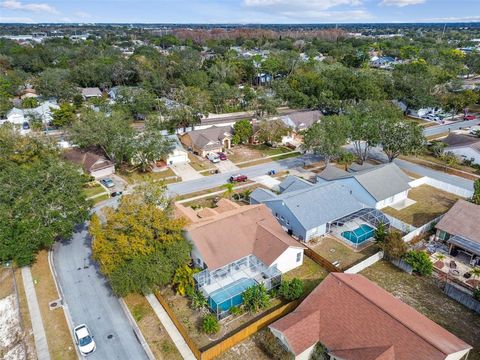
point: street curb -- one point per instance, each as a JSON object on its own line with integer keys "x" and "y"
{"x": 136, "y": 329}
{"x": 68, "y": 317}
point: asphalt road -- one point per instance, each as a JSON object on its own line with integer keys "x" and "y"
{"x": 216, "y": 180}
{"x": 440, "y": 129}
{"x": 89, "y": 299}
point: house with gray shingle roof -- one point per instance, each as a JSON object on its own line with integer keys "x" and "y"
{"x": 213, "y": 139}
{"x": 465, "y": 147}
{"x": 379, "y": 186}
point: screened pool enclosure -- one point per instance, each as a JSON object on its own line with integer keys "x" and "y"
{"x": 224, "y": 286}
{"x": 359, "y": 227}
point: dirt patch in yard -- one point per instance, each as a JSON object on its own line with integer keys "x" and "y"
{"x": 426, "y": 297}
{"x": 333, "y": 250}
{"x": 430, "y": 203}
{"x": 152, "y": 329}
{"x": 58, "y": 334}
{"x": 247, "y": 349}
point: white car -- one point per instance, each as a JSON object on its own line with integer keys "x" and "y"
{"x": 84, "y": 339}
{"x": 432, "y": 117}
{"x": 214, "y": 158}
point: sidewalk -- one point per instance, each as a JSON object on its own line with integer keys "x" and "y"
{"x": 170, "y": 327}
{"x": 41, "y": 344}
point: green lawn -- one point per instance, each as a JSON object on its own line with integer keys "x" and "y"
{"x": 426, "y": 297}
{"x": 310, "y": 272}
{"x": 100, "y": 199}
{"x": 92, "y": 191}
{"x": 200, "y": 164}
{"x": 137, "y": 176}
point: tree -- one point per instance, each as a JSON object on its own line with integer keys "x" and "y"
{"x": 327, "y": 136}
{"x": 136, "y": 101}
{"x": 419, "y": 261}
{"x": 139, "y": 246}
{"x": 183, "y": 280}
{"x": 394, "y": 246}
{"x": 271, "y": 131}
{"x": 437, "y": 148}
{"x": 30, "y": 103}
{"x": 210, "y": 324}
{"x": 150, "y": 146}
{"x": 291, "y": 289}
{"x": 41, "y": 198}
{"x": 380, "y": 234}
{"x": 56, "y": 83}
{"x": 63, "y": 116}
{"x": 242, "y": 131}
{"x": 476, "y": 192}
{"x": 401, "y": 138}
{"x": 256, "y": 298}
{"x": 320, "y": 352}
{"x": 346, "y": 158}
{"x": 457, "y": 101}
{"x": 111, "y": 133}
{"x": 229, "y": 190}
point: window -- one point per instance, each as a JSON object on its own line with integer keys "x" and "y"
{"x": 299, "y": 256}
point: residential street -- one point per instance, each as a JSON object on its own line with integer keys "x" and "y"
{"x": 89, "y": 299}
{"x": 439, "y": 129}
{"x": 212, "y": 181}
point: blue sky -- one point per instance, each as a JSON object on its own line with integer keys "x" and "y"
{"x": 239, "y": 11}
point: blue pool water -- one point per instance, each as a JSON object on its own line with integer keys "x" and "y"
{"x": 230, "y": 295}
{"x": 360, "y": 234}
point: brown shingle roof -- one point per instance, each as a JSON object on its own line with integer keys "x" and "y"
{"x": 356, "y": 319}
{"x": 463, "y": 219}
{"x": 215, "y": 134}
{"x": 240, "y": 232}
{"x": 87, "y": 160}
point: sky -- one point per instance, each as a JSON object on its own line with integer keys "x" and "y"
{"x": 239, "y": 11}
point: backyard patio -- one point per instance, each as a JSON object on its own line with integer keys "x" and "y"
{"x": 455, "y": 268}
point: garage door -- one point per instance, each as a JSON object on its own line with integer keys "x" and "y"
{"x": 177, "y": 159}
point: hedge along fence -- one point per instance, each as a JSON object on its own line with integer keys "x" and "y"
{"x": 327, "y": 265}
{"x": 212, "y": 351}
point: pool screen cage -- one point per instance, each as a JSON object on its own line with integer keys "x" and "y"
{"x": 368, "y": 216}
{"x": 223, "y": 287}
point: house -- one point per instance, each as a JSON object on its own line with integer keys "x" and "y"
{"x": 42, "y": 113}
{"x": 213, "y": 139}
{"x": 93, "y": 164}
{"x": 91, "y": 92}
{"x": 465, "y": 147}
{"x": 262, "y": 79}
{"x": 308, "y": 210}
{"x": 460, "y": 229}
{"x": 375, "y": 186}
{"x": 178, "y": 155}
{"x": 237, "y": 246}
{"x": 355, "y": 319}
{"x": 301, "y": 120}
{"x": 384, "y": 62}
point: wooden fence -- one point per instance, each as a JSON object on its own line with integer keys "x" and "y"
{"x": 181, "y": 329}
{"x": 327, "y": 265}
{"x": 248, "y": 329}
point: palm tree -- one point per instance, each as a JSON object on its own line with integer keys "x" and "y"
{"x": 475, "y": 272}
{"x": 229, "y": 190}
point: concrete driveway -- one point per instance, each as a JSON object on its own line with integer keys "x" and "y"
{"x": 186, "y": 172}
{"x": 89, "y": 299}
{"x": 225, "y": 166}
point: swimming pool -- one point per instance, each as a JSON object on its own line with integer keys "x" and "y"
{"x": 360, "y": 234}
{"x": 231, "y": 295}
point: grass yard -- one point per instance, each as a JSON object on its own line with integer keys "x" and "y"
{"x": 242, "y": 153}
{"x": 333, "y": 250}
{"x": 58, "y": 334}
{"x": 26, "y": 322}
{"x": 136, "y": 176}
{"x": 310, "y": 272}
{"x": 438, "y": 136}
{"x": 152, "y": 329}
{"x": 425, "y": 296}
{"x": 94, "y": 190}
{"x": 99, "y": 199}
{"x": 263, "y": 161}
{"x": 200, "y": 164}
{"x": 442, "y": 165}
{"x": 430, "y": 203}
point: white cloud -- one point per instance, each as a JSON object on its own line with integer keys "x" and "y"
{"x": 82, "y": 14}
{"x": 15, "y": 19}
{"x": 317, "y": 5}
{"x": 33, "y": 7}
{"x": 401, "y": 3}
{"x": 452, "y": 19}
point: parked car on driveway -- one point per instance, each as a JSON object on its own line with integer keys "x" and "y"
{"x": 214, "y": 158}
{"x": 238, "y": 178}
{"x": 116, "y": 193}
{"x": 108, "y": 183}
{"x": 431, "y": 117}
{"x": 222, "y": 156}
{"x": 469, "y": 117}
{"x": 84, "y": 339}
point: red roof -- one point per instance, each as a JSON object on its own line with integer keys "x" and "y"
{"x": 356, "y": 319}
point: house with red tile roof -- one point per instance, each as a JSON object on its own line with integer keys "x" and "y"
{"x": 355, "y": 319}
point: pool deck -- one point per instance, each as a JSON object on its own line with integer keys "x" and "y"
{"x": 337, "y": 231}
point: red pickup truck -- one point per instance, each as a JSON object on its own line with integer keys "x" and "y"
{"x": 469, "y": 117}
{"x": 238, "y": 178}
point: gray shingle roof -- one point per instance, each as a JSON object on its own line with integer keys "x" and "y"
{"x": 293, "y": 183}
{"x": 260, "y": 195}
{"x": 331, "y": 172}
{"x": 320, "y": 204}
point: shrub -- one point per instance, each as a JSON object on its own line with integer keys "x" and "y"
{"x": 256, "y": 298}
{"x": 380, "y": 234}
{"x": 420, "y": 262}
{"x": 476, "y": 293}
{"x": 198, "y": 301}
{"x": 183, "y": 280}
{"x": 272, "y": 346}
{"x": 210, "y": 324}
{"x": 394, "y": 246}
{"x": 235, "y": 310}
{"x": 291, "y": 290}
{"x": 320, "y": 352}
